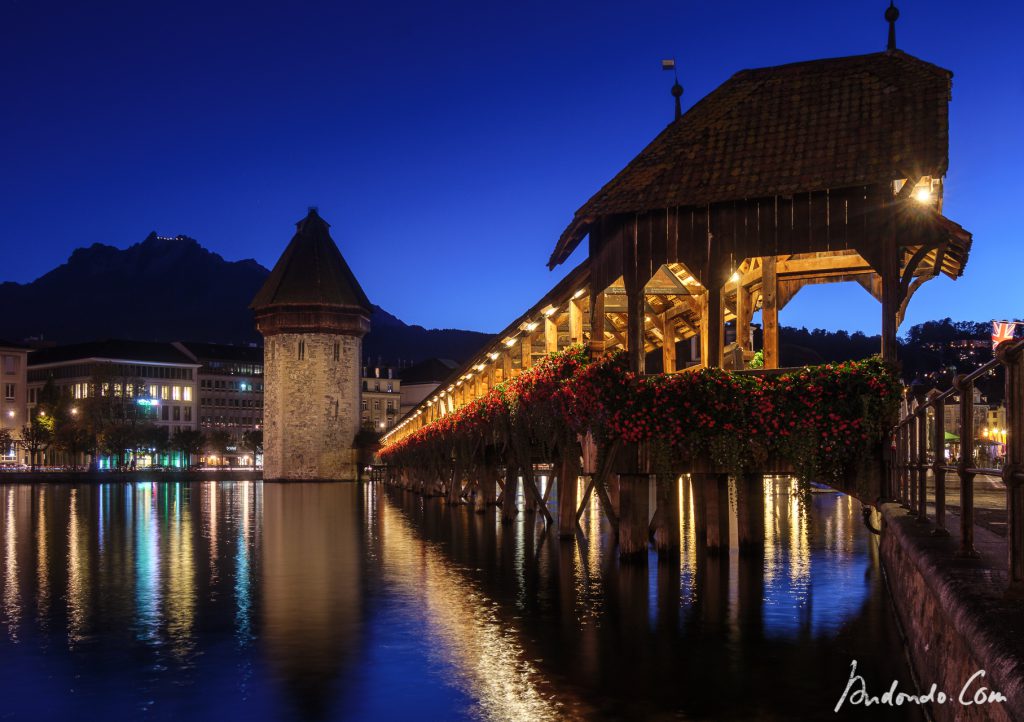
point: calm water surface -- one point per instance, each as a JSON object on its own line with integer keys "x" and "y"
{"x": 245, "y": 600}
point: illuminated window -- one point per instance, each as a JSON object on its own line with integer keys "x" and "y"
{"x": 105, "y": 390}
{"x": 176, "y": 393}
{"x": 154, "y": 391}
{"x": 78, "y": 391}
{"x": 186, "y": 393}
{"x": 165, "y": 392}
{"x": 117, "y": 389}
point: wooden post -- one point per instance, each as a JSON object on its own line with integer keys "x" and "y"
{"x": 597, "y": 322}
{"x": 1014, "y": 363}
{"x": 716, "y": 499}
{"x": 770, "y": 312}
{"x": 550, "y": 334}
{"x": 700, "y": 507}
{"x": 633, "y": 516}
{"x": 506, "y": 365}
{"x": 575, "y": 322}
{"x": 966, "y": 390}
{"x": 912, "y": 470}
{"x": 890, "y": 281}
{"x": 711, "y": 328}
{"x": 485, "y": 490}
{"x": 568, "y": 476}
{"x": 939, "y": 443}
{"x": 668, "y": 344}
{"x": 526, "y": 350}
{"x": 666, "y": 532}
{"x": 635, "y": 329}
{"x": 508, "y": 503}
{"x": 529, "y": 503}
{"x": 743, "y": 313}
{"x": 750, "y": 511}
{"x": 922, "y": 463}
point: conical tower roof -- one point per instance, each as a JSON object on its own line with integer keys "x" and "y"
{"x": 311, "y": 272}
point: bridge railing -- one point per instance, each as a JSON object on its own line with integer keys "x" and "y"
{"x": 920, "y": 447}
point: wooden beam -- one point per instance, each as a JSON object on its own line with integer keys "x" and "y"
{"x": 770, "y": 312}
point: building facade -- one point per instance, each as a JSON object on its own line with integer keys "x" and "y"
{"x": 113, "y": 385}
{"x": 230, "y": 382}
{"x": 422, "y": 379}
{"x": 313, "y": 315}
{"x": 14, "y": 399}
{"x": 381, "y": 402}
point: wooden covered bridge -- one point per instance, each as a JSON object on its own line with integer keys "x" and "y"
{"x": 814, "y": 172}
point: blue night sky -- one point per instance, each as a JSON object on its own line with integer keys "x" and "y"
{"x": 448, "y": 143}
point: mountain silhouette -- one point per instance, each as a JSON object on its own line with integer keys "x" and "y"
{"x": 166, "y": 289}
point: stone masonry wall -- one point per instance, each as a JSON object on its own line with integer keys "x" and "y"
{"x": 311, "y": 406}
{"x": 948, "y": 608}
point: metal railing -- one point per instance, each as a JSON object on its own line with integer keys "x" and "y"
{"x": 917, "y": 452}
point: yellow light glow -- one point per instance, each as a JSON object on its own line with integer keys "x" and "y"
{"x": 510, "y": 342}
{"x": 550, "y": 312}
{"x": 531, "y": 326}
{"x": 922, "y": 195}
{"x": 579, "y": 293}
{"x": 734, "y": 277}
{"x": 493, "y": 355}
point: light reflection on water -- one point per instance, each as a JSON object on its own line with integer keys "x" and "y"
{"x": 327, "y": 601}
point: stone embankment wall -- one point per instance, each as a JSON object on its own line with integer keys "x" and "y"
{"x": 956, "y": 616}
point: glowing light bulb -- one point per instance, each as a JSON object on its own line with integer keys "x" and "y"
{"x": 922, "y": 195}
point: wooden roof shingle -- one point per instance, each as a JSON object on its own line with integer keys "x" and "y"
{"x": 311, "y": 272}
{"x": 808, "y": 126}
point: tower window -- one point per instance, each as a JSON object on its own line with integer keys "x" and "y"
{"x": 302, "y": 350}
{"x": 337, "y": 350}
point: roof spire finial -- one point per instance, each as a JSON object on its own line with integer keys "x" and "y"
{"x": 892, "y": 14}
{"x": 677, "y": 89}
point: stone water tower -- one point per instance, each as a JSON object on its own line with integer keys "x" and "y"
{"x": 313, "y": 316}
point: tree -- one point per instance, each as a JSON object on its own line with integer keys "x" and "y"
{"x": 189, "y": 442}
{"x": 6, "y": 442}
{"x": 73, "y": 437}
{"x": 36, "y": 436}
{"x": 217, "y": 442}
{"x": 252, "y": 440}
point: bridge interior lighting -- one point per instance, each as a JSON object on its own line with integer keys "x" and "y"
{"x": 478, "y": 367}
{"x": 550, "y": 311}
{"x": 922, "y": 195}
{"x": 532, "y": 326}
{"x": 510, "y": 342}
{"x": 493, "y": 355}
{"x": 734, "y": 277}
{"x": 579, "y": 293}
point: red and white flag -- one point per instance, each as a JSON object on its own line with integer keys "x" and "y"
{"x": 1002, "y": 331}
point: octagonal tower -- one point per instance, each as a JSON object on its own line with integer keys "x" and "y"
{"x": 313, "y": 315}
